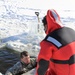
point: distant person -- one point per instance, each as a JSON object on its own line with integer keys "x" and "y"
{"x": 24, "y": 65}
{"x": 57, "y": 53}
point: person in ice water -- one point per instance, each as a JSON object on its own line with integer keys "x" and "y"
{"x": 57, "y": 53}
{"x": 24, "y": 65}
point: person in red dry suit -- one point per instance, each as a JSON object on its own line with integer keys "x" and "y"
{"x": 57, "y": 53}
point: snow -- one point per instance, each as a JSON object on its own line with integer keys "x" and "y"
{"x": 19, "y": 25}
{"x": 19, "y": 37}
{"x": 32, "y": 72}
{"x": 0, "y": 73}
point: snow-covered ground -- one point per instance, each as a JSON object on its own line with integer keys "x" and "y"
{"x": 20, "y": 36}
{"x": 19, "y": 26}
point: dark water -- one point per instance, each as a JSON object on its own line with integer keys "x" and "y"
{"x": 7, "y": 59}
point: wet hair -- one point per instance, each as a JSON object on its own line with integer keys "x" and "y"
{"x": 24, "y": 53}
{"x": 44, "y": 21}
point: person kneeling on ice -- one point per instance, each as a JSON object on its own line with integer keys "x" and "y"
{"x": 24, "y": 65}
{"x": 57, "y": 52}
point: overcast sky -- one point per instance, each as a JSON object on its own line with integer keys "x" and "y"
{"x": 18, "y": 5}
{"x": 49, "y": 4}
{"x": 41, "y": 4}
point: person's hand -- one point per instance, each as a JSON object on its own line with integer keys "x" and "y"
{"x": 25, "y": 70}
{"x": 8, "y": 73}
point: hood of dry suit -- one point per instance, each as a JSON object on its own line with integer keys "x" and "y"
{"x": 53, "y": 21}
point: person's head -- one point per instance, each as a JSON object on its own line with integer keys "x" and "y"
{"x": 44, "y": 21}
{"x": 51, "y": 21}
{"x": 25, "y": 57}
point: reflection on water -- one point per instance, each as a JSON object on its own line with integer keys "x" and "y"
{"x": 7, "y": 59}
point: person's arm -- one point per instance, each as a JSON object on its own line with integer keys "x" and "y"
{"x": 33, "y": 62}
{"x": 31, "y": 65}
{"x": 8, "y": 73}
{"x": 44, "y": 56}
{"x": 15, "y": 69}
{"x": 43, "y": 66}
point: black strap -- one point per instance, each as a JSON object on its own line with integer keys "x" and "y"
{"x": 70, "y": 61}
{"x": 63, "y": 35}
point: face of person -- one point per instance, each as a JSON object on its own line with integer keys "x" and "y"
{"x": 26, "y": 59}
{"x": 45, "y": 27}
{"x": 44, "y": 21}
